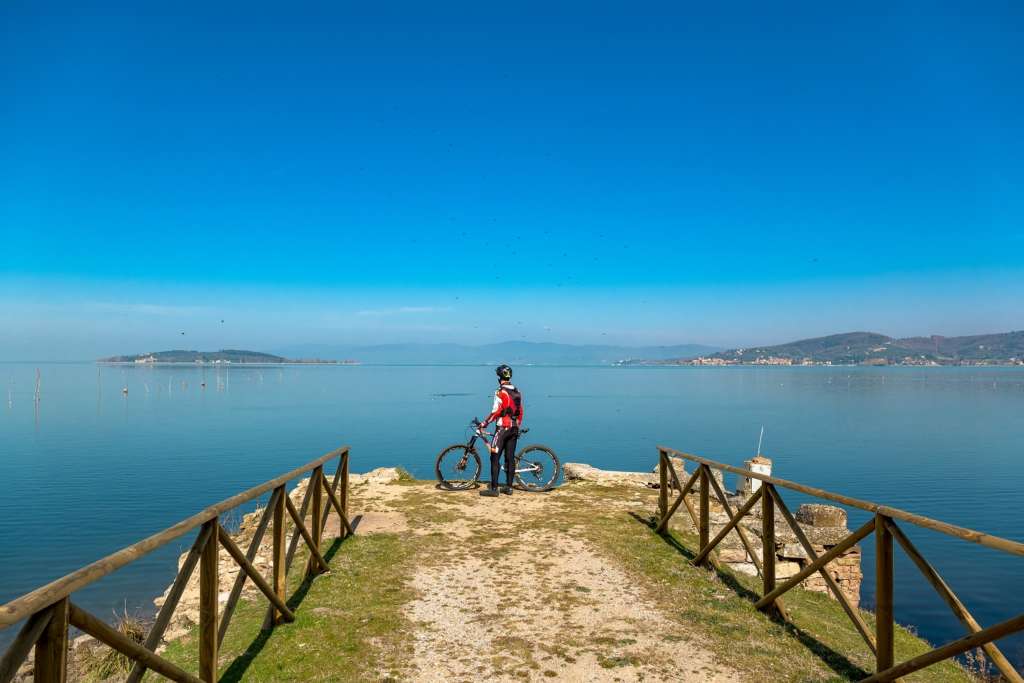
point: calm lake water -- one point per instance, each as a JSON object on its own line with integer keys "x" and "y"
{"x": 89, "y": 470}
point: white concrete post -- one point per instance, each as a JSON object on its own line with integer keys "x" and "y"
{"x": 758, "y": 464}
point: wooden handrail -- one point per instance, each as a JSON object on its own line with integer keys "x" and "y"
{"x": 19, "y": 608}
{"x": 885, "y": 531}
{"x": 981, "y": 538}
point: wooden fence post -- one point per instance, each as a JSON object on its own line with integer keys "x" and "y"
{"x": 343, "y": 487}
{"x": 52, "y": 647}
{"x": 279, "y": 579}
{"x": 768, "y": 543}
{"x": 312, "y": 568}
{"x": 705, "y": 507}
{"x": 209, "y": 592}
{"x": 663, "y": 487}
{"x": 884, "y": 624}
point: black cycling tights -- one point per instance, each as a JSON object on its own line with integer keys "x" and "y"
{"x": 504, "y": 443}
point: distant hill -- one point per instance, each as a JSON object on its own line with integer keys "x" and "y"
{"x": 179, "y": 356}
{"x": 1001, "y": 346}
{"x": 871, "y": 347}
{"x": 542, "y": 353}
{"x": 849, "y": 347}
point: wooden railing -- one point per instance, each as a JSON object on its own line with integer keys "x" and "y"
{"x": 883, "y": 525}
{"x": 50, "y": 611}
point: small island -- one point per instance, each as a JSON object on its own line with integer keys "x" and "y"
{"x": 224, "y": 356}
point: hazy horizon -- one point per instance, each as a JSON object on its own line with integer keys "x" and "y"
{"x": 336, "y": 350}
{"x": 365, "y": 175}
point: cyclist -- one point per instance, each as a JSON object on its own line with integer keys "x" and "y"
{"x": 507, "y": 414}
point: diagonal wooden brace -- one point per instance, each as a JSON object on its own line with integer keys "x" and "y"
{"x": 851, "y": 611}
{"x": 23, "y": 643}
{"x": 689, "y": 506}
{"x": 733, "y": 521}
{"x": 739, "y": 530}
{"x": 254, "y": 546}
{"x": 958, "y": 608}
{"x": 339, "y": 475}
{"x": 818, "y": 563}
{"x": 663, "y": 524}
{"x": 305, "y": 534}
{"x": 950, "y": 649}
{"x": 236, "y": 553}
{"x": 333, "y": 499}
{"x": 293, "y": 545}
{"x": 129, "y": 648}
{"x": 173, "y": 597}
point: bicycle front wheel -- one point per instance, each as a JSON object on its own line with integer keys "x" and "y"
{"x": 537, "y": 468}
{"x": 457, "y": 467}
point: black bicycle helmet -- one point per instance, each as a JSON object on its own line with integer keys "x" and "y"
{"x": 503, "y": 372}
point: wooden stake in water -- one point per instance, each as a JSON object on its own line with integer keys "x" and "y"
{"x": 38, "y": 383}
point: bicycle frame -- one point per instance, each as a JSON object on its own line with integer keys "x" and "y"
{"x": 488, "y": 437}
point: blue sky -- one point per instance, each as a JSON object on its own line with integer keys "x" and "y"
{"x": 654, "y": 173}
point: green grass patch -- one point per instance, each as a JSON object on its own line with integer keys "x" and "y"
{"x": 405, "y": 476}
{"x": 348, "y": 623}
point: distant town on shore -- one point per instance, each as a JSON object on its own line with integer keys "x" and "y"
{"x": 869, "y": 348}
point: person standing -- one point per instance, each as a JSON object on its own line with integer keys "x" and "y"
{"x": 507, "y": 414}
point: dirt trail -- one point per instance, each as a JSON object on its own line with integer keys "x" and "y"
{"x": 503, "y": 594}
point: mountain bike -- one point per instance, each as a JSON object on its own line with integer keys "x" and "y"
{"x": 458, "y": 465}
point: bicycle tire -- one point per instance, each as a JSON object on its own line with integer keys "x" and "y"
{"x": 546, "y": 477}
{"x": 451, "y": 455}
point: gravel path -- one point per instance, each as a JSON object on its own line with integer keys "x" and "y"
{"x": 500, "y": 598}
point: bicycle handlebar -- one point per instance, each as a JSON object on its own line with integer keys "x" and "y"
{"x": 479, "y": 428}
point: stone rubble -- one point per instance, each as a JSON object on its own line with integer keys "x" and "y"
{"x": 577, "y": 471}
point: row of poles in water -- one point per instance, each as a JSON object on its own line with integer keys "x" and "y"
{"x": 35, "y": 395}
{"x": 223, "y": 384}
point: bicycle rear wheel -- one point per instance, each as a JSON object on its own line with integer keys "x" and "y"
{"x": 457, "y": 467}
{"x": 537, "y": 468}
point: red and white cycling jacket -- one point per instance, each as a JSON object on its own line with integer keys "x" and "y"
{"x": 507, "y": 410}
